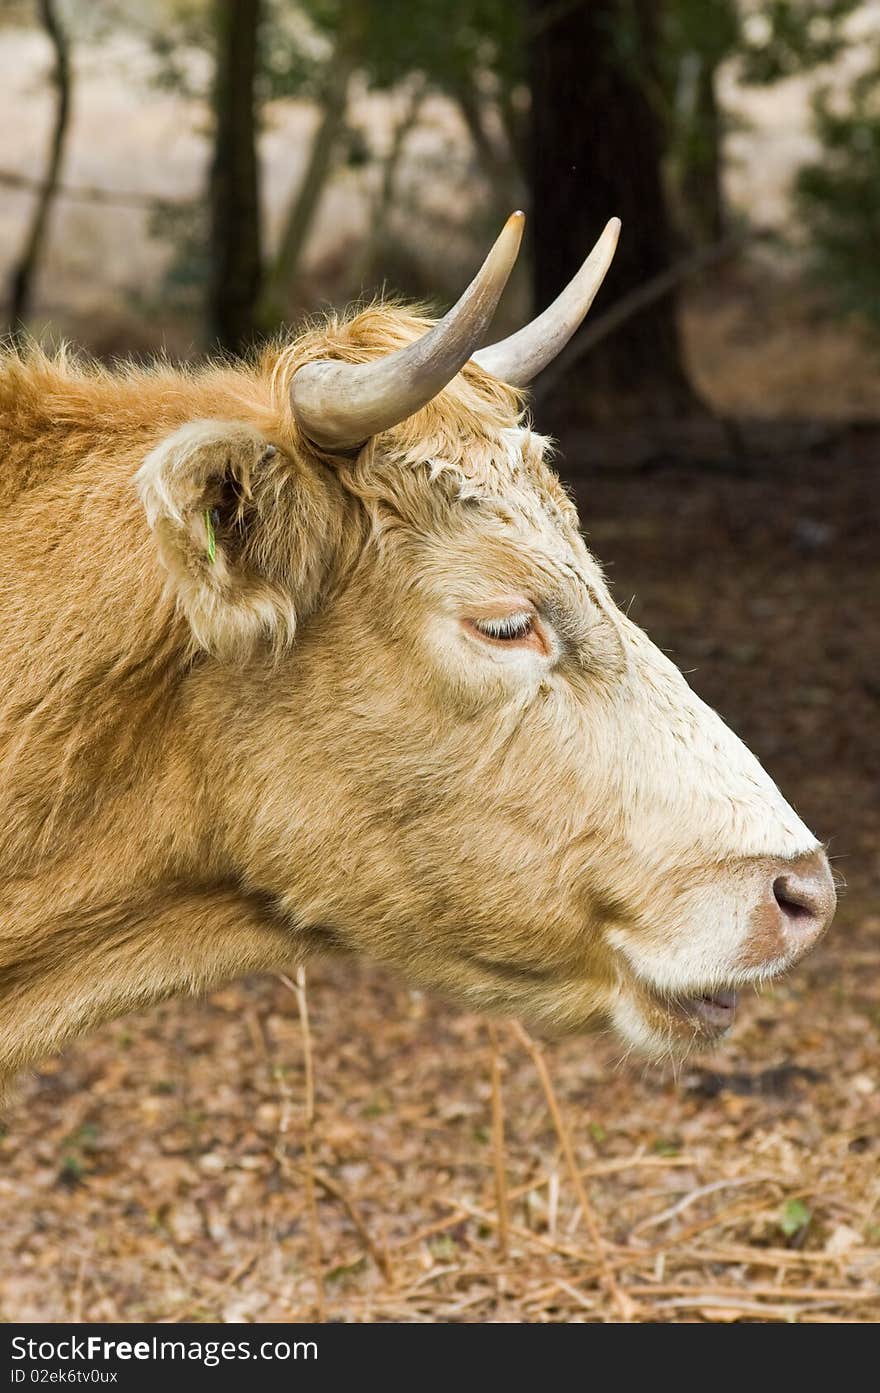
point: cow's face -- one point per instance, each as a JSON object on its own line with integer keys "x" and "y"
{"x": 517, "y": 797}
{"x": 468, "y": 762}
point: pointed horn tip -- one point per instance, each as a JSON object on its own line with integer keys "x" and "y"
{"x": 502, "y": 256}
{"x": 520, "y": 357}
{"x": 342, "y": 404}
{"x": 512, "y": 232}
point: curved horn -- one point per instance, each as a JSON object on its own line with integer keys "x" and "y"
{"x": 340, "y": 405}
{"x": 523, "y": 355}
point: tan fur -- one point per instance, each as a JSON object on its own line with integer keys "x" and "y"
{"x": 208, "y": 767}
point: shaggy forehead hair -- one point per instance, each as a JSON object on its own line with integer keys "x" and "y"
{"x": 470, "y": 442}
{"x": 472, "y": 439}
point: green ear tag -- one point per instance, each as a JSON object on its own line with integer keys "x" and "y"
{"x": 212, "y": 540}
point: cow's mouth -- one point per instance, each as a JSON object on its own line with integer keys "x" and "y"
{"x": 712, "y": 1012}
{"x": 695, "y": 1017}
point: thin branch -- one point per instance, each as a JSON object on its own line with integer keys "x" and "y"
{"x": 498, "y": 1155}
{"x": 22, "y": 279}
{"x": 626, "y": 1308}
{"x": 612, "y": 1167}
{"x": 299, "y": 990}
{"x": 383, "y": 204}
{"x": 86, "y": 193}
{"x": 550, "y": 16}
{"x": 380, "y": 1258}
{"x": 754, "y": 1289}
{"x": 634, "y": 302}
{"x": 655, "y": 1220}
{"x": 498, "y": 165}
{"x": 282, "y": 276}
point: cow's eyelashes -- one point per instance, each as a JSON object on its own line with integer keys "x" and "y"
{"x": 514, "y": 624}
{"x": 507, "y": 628}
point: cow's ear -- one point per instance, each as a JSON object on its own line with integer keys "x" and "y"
{"x": 206, "y": 491}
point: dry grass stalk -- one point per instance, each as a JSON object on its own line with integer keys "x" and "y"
{"x": 758, "y": 1257}
{"x": 76, "y": 1302}
{"x": 699, "y": 1294}
{"x": 240, "y": 1270}
{"x": 298, "y": 988}
{"x": 626, "y": 1307}
{"x": 613, "y": 1167}
{"x": 379, "y": 1255}
{"x": 655, "y": 1220}
{"x": 550, "y": 1245}
{"x": 730, "y": 1308}
{"x": 257, "y": 1036}
{"x": 499, "y": 1164}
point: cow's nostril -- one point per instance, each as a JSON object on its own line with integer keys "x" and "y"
{"x": 795, "y": 906}
{"x": 793, "y": 900}
{"x": 804, "y": 894}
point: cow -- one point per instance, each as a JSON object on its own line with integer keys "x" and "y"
{"x": 306, "y": 653}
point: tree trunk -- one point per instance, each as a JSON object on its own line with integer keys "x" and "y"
{"x": 304, "y": 204}
{"x": 22, "y": 279}
{"x": 235, "y": 271}
{"x": 498, "y": 165}
{"x": 366, "y": 268}
{"x": 354, "y": 18}
{"x": 597, "y": 148}
{"x": 701, "y": 188}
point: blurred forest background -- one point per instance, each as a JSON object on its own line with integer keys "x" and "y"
{"x": 184, "y": 174}
{"x": 188, "y": 176}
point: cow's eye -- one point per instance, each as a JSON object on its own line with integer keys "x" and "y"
{"x": 507, "y": 628}
{"x": 517, "y": 627}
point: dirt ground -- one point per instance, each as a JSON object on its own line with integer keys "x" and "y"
{"x": 160, "y": 1170}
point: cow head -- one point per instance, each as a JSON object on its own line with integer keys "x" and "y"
{"x": 428, "y": 734}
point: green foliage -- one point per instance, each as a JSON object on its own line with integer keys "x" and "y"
{"x": 476, "y": 51}
{"x": 80, "y": 1147}
{"x": 296, "y": 45}
{"x": 183, "y": 226}
{"x": 443, "y": 1248}
{"x": 181, "y": 30}
{"x": 838, "y": 196}
{"x": 766, "y": 42}
{"x": 787, "y": 37}
{"x": 711, "y": 29}
{"x": 451, "y": 42}
{"x": 666, "y": 1146}
{"x": 794, "y": 1217}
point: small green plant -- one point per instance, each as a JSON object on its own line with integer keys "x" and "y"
{"x": 794, "y": 1218}
{"x": 71, "y": 1171}
{"x": 838, "y": 196}
{"x": 443, "y": 1248}
{"x": 79, "y": 1147}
